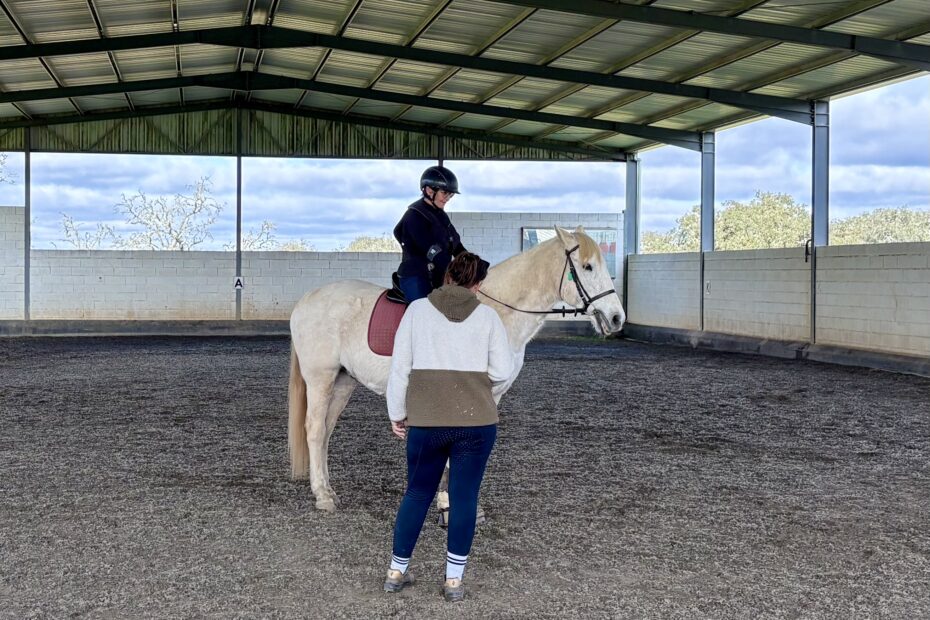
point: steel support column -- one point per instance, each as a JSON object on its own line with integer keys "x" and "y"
{"x": 239, "y": 211}
{"x": 27, "y": 225}
{"x": 820, "y": 198}
{"x": 820, "y": 213}
{"x": 630, "y": 220}
{"x": 708, "y": 175}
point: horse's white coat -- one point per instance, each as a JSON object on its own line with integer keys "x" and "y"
{"x": 329, "y": 339}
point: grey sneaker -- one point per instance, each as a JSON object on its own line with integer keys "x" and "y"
{"x": 453, "y": 590}
{"x": 397, "y": 581}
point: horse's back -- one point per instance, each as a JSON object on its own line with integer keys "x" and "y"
{"x": 329, "y": 328}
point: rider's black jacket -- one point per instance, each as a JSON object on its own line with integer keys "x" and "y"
{"x": 427, "y": 237}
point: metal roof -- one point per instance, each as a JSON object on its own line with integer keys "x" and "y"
{"x": 577, "y": 79}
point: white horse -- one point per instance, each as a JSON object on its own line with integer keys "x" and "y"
{"x": 330, "y": 354}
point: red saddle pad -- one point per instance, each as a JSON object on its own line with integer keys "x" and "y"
{"x": 383, "y": 324}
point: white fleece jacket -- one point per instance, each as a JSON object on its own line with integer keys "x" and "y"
{"x": 427, "y": 340}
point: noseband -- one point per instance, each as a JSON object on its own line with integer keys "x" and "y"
{"x": 586, "y": 299}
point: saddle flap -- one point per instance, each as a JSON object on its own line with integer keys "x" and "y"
{"x": 382, "y": 326}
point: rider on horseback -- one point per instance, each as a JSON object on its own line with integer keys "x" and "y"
{"x": 427, "y": 236}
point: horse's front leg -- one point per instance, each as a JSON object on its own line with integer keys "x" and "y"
{"x": 442, "y": 502}
{"x": 320, "y": 395}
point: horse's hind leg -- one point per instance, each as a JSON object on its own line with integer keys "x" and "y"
{"x": 342, "y": 391}
{"x": 442, "y": 502}
{"x": 320, "y": 384}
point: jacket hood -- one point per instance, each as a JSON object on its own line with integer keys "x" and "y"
{"x": 455, "y": 302}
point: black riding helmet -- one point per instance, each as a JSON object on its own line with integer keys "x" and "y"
{"x": 439, "y": 177}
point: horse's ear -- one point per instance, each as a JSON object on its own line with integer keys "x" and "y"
{"x": 565, "y": 237}
{"x": 580, "y": 229}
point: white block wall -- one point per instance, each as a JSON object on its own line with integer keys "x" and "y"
{"x": 122, "y": 285}
{"x": 12, "y": 261}
{"x": 664, "y": 290}
{"x": 275, "y": 281}
{"x": 875, "y": 297}
{"x": 497, "y": 236}
{"x": 760, "y": 293}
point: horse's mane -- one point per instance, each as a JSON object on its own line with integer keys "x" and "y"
{"x": 588, "y": 250}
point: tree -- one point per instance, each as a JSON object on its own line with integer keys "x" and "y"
{"x": 769, "y": 220}
{"x": 81, "y": 240}
{"x": 882, "y": 226}
{"x": 5, "y": 175}
{"x": 181, "y": 222}
{"x": 365, "y": 243}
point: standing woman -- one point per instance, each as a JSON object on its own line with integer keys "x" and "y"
{"x": 448, "y": 351}
{"x": 426, "y": 235}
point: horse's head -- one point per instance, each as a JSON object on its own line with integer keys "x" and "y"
{"x": 587, "y": 282}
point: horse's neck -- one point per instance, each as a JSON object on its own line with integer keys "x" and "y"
{"x": 528, "y": 281}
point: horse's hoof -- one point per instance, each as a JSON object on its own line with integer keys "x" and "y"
{"x": 326, "y": 505}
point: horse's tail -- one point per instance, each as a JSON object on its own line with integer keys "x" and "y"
{"x": 297, "y": 417}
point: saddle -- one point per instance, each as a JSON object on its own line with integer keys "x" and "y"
{"x": 385, "y": 317}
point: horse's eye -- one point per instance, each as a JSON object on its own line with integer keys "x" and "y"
{"x": 588, "y": 267}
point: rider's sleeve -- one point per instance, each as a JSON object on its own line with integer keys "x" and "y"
{"x": 401, "y": 363}
{"x": 500, "y": 357}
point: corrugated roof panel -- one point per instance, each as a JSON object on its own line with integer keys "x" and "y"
{"x": 527, "y": 93}
{"x": 572, "y": 134}
{"x": 587, "y": 100}
{"x": 8, "y": 34}
{"x": 525, "y": 128}
{"x": 146, "y": 64}
{"x": 102, "y": 102}
{"x": 380, "y": 109}
{"x": 418, "y": 114}
{"x": 83, "y": 69}
{"x": 621, "y": 41}
{"x": 801, "y": 13}
{"x": 411, "y": 78}
{"x": 697, "y": 6}
{"x": 698, "y": 117}
{"x": 167, "y": 96}
{"x": 128, "y": 17}
{"x": 210, "y": 14}
{"x": 324, "y": 101}
{"x": 466, "y": 25}
{"x": 296, "y": 62}
{"x": 27, "y": 74}
{"x": 204, "y": 93}
{"x": 468, "y": 85}
{"x": 206, "y": 59}
{"x": 61, "y": 20}
{"x": 540, "y": 35}
{"x": 475, "y": 121}
{"x": 287, "y": 96}
{"x": 686, "y": 56}
{"x": 619, "y": 141}
{"x": 645, "y": 108}
{"x": 829, "y": 77}
{"x": 48, "y": 106}
{"x": 892, "y": 17}
{"x": 389, "y": 21}
{"x": 313, "y": 15}
{"x": 737, "y": 75}
{"x": 350, "y": 68}
{"x": 8, "y": 112}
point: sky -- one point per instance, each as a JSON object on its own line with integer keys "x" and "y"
{"x": 879, "y": 155}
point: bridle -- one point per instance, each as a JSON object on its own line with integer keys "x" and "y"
{"x": 586, "y": 298}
